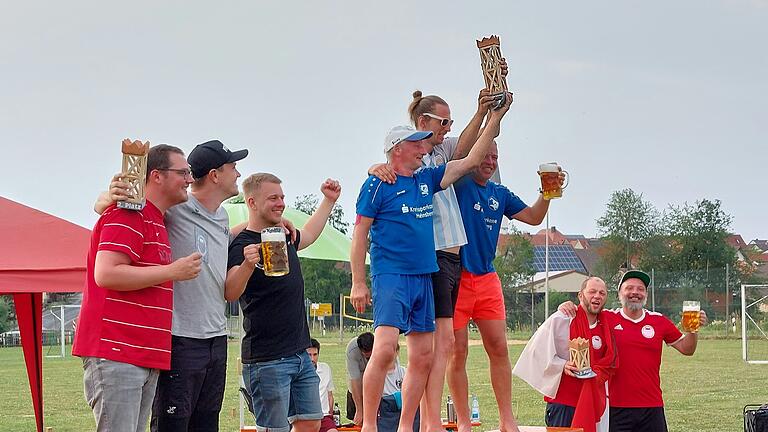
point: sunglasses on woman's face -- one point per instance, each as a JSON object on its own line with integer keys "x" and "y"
{"x": 443, "y": 121}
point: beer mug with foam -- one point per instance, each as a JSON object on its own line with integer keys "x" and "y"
{"x": 274, "y": 252}
{"x": 691, "y": 312}
{"x": 550, "y": 180}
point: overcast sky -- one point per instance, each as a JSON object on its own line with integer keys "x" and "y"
{"x": 664, "y": 97}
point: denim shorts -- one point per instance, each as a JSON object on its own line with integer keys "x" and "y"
{"x": 283, "y": 391}
{"x": 404, "y": 301}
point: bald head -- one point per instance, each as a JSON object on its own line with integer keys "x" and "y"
{"x": 593, "y": 294}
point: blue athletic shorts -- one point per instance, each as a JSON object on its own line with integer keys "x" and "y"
{"x": 404, "y": 301}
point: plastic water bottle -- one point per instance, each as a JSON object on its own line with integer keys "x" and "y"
{"x": 475, "y": 417}
{"x": 450, "y": 411}
{"x": 336, "y": 414}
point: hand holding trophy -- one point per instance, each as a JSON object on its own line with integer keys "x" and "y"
{"x": 134, "y": 173}
{"x": 578, "y": 348}
{"x": 493, "y": 72}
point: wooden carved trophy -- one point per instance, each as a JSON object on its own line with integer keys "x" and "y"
{"x": 490, "y": 60}
{"x": 579, "y": 351}
{"x": 134, "y": 173}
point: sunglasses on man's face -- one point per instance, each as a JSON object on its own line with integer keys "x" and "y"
{"x": 443, "y": 121}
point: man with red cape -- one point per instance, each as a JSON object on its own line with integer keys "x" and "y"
{"x": 545, "y": 362}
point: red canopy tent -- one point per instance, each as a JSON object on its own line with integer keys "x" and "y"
{"x": 40, "y": 253}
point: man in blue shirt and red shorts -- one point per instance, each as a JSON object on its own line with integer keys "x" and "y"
{"x": 483, "y": 203}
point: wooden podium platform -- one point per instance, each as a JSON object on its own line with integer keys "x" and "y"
{"x": 448, "y": 427}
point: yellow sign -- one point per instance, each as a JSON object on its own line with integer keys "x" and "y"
{"x": 321, "y": 309}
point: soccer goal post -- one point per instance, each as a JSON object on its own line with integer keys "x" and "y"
{"x": 754, "y": 323}
{"x": 60, "y": 319}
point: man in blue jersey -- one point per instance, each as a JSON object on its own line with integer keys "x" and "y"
{"x": 483, "y": 204}
{"x": 399, "y": 219}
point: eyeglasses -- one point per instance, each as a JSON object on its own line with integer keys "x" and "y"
{"x": 443, "y": 121}
{"x": 184, "y": 172}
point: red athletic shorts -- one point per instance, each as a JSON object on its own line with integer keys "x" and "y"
{"x": 480, "y": 298}
{"x": 327, "y": 423}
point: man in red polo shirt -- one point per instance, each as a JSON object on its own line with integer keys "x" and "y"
{"x": 635, "y": 398}
{"x": 124, "y": 329}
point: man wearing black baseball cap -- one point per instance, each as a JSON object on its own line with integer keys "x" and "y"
{"x": 212, "y": 155}
{"x": 190, "y": 395}
{"x": 635, "y": 398}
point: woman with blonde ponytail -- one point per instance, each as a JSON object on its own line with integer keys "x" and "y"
{"x": 431, "y": 113}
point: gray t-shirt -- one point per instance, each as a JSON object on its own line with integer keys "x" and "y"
{"x": 198, "y": 304}
{"x": 356, "y": 361}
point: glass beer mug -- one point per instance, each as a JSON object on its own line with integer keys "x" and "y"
{"x": 550, "y": 180}
{"x": 691, "y": 312}
{"x": 274, "y": 252}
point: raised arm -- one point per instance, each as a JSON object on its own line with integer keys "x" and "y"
{"x": 687, "y": 345}
{"x": 118, "y": 190}
{"x": 360, "y": 295}
{"x": 471, "y": 132}
{"x": 314, "y": 226}
{"x": 455, "y": 169}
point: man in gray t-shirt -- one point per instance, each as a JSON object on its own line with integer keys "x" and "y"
{"x": 189, "y": 396}
{"x": 359, "y": 350}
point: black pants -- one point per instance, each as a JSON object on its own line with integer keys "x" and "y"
{"x": 637, "y": 420}
{"x": 559, "y": 415}
{"x": 189, "y": 396}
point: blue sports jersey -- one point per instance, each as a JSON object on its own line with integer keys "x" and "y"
{"x": 482, "y": 208}
{"x": 401, "y": 234}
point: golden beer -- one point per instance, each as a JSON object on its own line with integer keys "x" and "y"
{"x": 550, "y": 181}
{"x": 691, "y": 316}
{"x": 274, "y": 252}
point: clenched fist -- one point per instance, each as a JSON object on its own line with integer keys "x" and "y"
{"x": 186, "y": 268}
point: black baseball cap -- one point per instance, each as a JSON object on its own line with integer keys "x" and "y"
{"x": 211, "y": 155}
{"x": 643, "y": 276}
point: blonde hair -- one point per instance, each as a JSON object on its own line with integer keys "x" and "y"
{"x": 252, "y": 184}
{"x": 423, "y": 104}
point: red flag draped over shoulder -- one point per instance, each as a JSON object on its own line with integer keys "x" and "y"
{"x": 592, "y": 399}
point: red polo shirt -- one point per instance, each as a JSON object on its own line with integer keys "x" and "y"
{"x": 128, "y": 326}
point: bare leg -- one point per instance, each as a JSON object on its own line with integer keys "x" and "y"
{"x": 384, "y": 351}
{"x": 430, "y": 414}
{"x": 305, "y": 426}
{"x": 458, "y": 382}
{"x": 494, "y": 337}
{"x": 420, "y": 358}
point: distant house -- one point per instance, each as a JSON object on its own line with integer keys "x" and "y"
{"x": 760, "y": 245}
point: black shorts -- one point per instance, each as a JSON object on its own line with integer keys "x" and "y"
{"x": 637, "y": 420}
{"x": 445, "y": 284}
{"x": 189, "y": 396}
{"x": 559, "y": 415}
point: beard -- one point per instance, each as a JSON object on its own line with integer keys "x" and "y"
{"x": 633, "y": 306}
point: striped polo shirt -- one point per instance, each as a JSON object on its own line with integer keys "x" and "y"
{"x": 447, "y": 225}
{"x": 128, "y": 326}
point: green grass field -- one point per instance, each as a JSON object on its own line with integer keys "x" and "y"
{"x": 705, "y": 392}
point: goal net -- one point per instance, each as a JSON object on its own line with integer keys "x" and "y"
{"x": 754, "y": 323}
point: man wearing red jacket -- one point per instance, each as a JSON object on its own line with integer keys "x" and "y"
{"x": 544, "y": 363}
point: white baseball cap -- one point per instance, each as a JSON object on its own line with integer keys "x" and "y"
{"x": 399, "y": 134}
